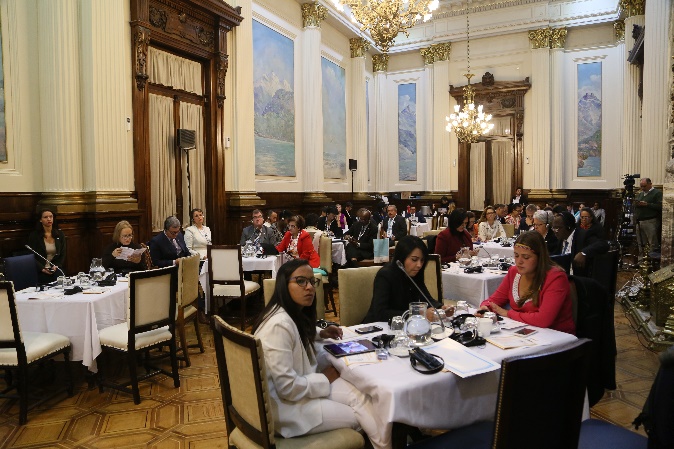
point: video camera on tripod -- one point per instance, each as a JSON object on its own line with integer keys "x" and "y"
{"x": 628, "y": 182}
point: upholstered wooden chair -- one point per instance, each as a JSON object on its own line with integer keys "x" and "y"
{"x": 355, "y": 293}
{"x": 186, "y": 304}
{"x": 225, "y": 273}
{"x": 509, "y": 229}
{"x": 550, "y": 385}
{"x": 152, "y": 313}
{"x": 325, "y": 253}
{"x": 245, "y": 398}
{"x": 147, "y": 258}
{"x": 433, "y": 276}
{"x": 21, "y": 270}
{"x": 21, "y": 350}
{"x": 270, "y": 285}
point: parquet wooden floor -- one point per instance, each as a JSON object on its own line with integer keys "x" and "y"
{"x": 191, "y": 417}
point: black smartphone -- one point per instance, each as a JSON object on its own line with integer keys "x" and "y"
{"x": 368, "y": 329}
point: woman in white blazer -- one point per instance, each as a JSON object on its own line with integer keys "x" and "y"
{"x": 304, "y": 399}
{"x": 198, "y": 236}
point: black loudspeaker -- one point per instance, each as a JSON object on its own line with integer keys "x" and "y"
{"x": 353, "y": 164}
{"x": 186, "y": 139}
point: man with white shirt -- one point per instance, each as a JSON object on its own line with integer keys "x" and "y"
{"x": 564, "y": 227}
{"x": 393, "y": 225}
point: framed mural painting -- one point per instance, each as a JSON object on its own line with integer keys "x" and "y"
{"x": 407, "y": 132}
{"x": 589, "y": 119}
{"x": 334, "y": 120}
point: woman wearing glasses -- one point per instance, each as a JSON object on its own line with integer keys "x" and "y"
{"x": 543, "y": 225}
{"x": 198, "y": 236}
{"x": 308, "y": 395}
{"x": 297, "y": 242}
{"x": 122, "y": 237}
{"x": 489, "y": 227}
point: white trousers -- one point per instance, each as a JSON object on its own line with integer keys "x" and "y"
{"x": 346, "y": 407}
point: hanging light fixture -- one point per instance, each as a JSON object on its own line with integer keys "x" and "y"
{"x": 384, "y": 19}
{"x": 470, "y": 123}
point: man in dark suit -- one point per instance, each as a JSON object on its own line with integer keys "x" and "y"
{"x": 329, "y": 222}
{"x": 582, "y": 242}
{"x": 359, "y": 238}
{"x": 413, "y": 213}
{"x": 394, "y": 226}
{"x": 168, "y": 245}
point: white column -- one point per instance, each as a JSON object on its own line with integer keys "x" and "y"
{"x": 655, "y": 110}
{"x": 382, "y": 172}
{"x": 359, "y": 113}
{"x": 312, "y": 130}
{"x": 59, "y": 85}
{"x": 631, "y": 121}
{"x": 540, "y": 99}
{"x": 557, "y": 143}
{"x": 439, "y": 157}
{"x": 105, "y": 86}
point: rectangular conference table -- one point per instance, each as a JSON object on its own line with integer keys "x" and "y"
{"x": 79, "y": 317}
{"x": 442, "y": 400}
{"x": 473, "y": 288}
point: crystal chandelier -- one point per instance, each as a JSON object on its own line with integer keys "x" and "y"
{"x": 384, "y": 19}
{"x": 471, "y": 123}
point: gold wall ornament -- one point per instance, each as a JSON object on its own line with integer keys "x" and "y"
{"x": 223, "y": 65}
{"x": 141, "y": 42}
{"x": 557, "y": 37}
{"x": 619, "y": 30}
{"x": 442, "y": 51}
{"x": 380, "y": 62}
{"x": 631, "y": 8}
{"x": 359, "y": 47}
{"x": 428, "y": 54}
{"x": 540, "y": 38}
{"x": 313, "y": 14}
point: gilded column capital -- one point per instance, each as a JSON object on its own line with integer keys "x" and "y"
{"x": 313, "y": 14}
{"x": 380, "y": 62}
{"x": 619, "y": 30}
{"x": 630, "y": 8}
{"x": 557, "y": 37}
{"x": 540, "y": 38}
{"x": 428, "y": 54}
{"x": 359, "y": 47}
{"x": 442, "y": 51}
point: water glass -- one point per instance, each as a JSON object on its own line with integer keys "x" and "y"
{"x": 461, "y": 307}
{"x": 59, "y": 282}
{"x": 397, "y": 325}
{"x": 484, "y": 327}
{"x": 469, "y": 324}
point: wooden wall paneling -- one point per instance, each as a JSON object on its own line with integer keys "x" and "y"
{"x": 462, "y": 198}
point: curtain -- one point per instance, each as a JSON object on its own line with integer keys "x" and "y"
{"x": 162, "y": 160}
{"x": 174, "y": 71}
{"x": 191, "y": 118}
{"x": 502, "y": 169}
{"x": 477, "y": 175}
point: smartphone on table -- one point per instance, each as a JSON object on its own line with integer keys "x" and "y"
{"x": 368, "y": 329}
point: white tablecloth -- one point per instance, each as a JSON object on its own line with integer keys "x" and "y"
{"x": 473, "y": 287}
{"x": 338, "y": 252}
{"x": 419, "y": 229}
{"x": 438, "y": 401}
{"x": 79, "y": 317}
{"x": 489, "y": 249}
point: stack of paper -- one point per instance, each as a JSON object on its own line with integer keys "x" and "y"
{"x": 511, "y": 341}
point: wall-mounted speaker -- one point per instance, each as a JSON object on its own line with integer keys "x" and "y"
{"x": 353, "y": 164}
{"x": 186, "y": 139}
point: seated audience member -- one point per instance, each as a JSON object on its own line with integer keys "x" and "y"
{"x": 569, "y": 208}
{"x": 513, "y": 217}
{"x": 454, "y": 237}
{"x": 393, "y": 291}
{"x": 297, "y": 242}
{"x": 349, "y": 214}
{"x": 576, "y": 214}
{"x": 272, "y": 217}
{"x": 394, "y": 227}
{"x": 306, "y": 398}
{"x": 198, "y": 236}
{"x": 329, "y": 223}
{"x": 257, "y": 233}
{"x": 489, "y": 228}
{"x": 359, "y": 239}
{"x": 501, "y": 212}
{"x": 564, "y": 227}
{"x": 536, "y": 289}
{"x": 49, "y": 242}
{"x": 168, "y": 245}
{"x": 472, "y": 227}
{"x": 415, "y": 213}
{"x": 519, "y": 198}
{"x": 341, "y": 218}
{"x": 599, "y": 213}
{"x": 558, "y": 209}
{"x": 122, "y": 237}
{"x": 527, "y": 223}
{"x": 589, "y": 241}
{"x": 543, "y": 225}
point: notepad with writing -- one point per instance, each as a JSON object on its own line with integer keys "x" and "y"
{"x": 510, "y": 341}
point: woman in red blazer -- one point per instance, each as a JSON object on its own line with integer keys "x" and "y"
{"x": 298, "y": 243}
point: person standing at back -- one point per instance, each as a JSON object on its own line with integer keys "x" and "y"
{"x": 648, "y": 214}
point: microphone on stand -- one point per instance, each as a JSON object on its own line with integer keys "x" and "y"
{"x": 40, "y": 256}
{"x": 402, "y": 268}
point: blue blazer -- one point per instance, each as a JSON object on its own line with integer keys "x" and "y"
{"x": 163, "y": 252}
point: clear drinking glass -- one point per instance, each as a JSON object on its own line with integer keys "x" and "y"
{"x": 461, "y": 307}
{"x": 400, "y": 344}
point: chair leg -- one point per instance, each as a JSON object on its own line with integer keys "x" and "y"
{"x": 69, "y": 374}
{"x": 198, "y": 332}
{"x": 22, "y": 387}
{"x": 174, "y": 361}
{"x": 133, "y": 377}
{"x": 244, "y": 298}
{"x": 183, "y": 344}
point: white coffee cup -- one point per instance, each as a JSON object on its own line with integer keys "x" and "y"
{"x": 484, "y": 326}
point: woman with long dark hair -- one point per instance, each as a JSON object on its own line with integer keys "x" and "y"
{"x": 454, "y": 237}
{"x": 304, "y": 399}
{"x": 48, "y": 241}
{"x": 536, "y": 288}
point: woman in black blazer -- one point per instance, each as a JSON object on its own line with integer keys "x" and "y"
{"x": 48, "y": 241}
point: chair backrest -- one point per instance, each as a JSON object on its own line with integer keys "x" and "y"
{"x": 10, "y": 332}
{"x": 431, "y": 232}
{"x": 559, "y": 398}
{"x": 563, "y": 260}
{"x": 355, "y": 293}
{"x": 270, "y": 285}
{"x": 509, "y": 229}
{"x": 434, "y": 222}
{"x": 147, "y": 258}
{"x": 241, "y": 364}
{"x": 325, "y": 253}
{"x": 188, "y": 280}
{"x": 152, "y": 300}
{"x": 21, "y": 270}
{"x": 433, "y": 276}
{"x": 605, "y": 270}
{"x": 225, "y": 266}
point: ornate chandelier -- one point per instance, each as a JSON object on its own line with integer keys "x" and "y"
{"x": 384, "y": 19}
{"x": 471, "y": 123}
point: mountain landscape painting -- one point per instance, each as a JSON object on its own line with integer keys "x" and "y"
{"x": 407, "y": 132}
{"x": 589, "y": 119}
{"x": 273, "y": 87}
{"x": 334, "y": 120}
